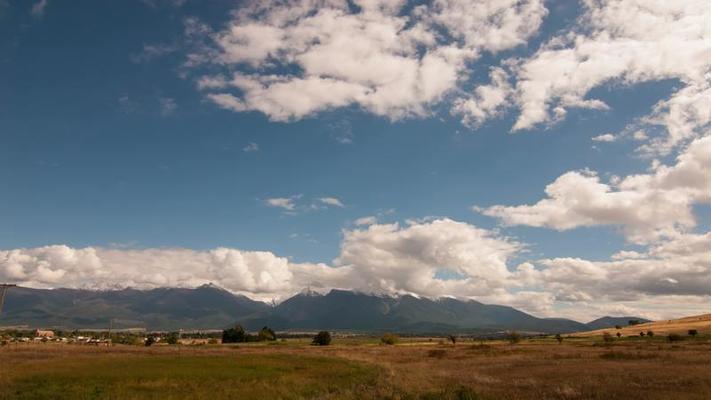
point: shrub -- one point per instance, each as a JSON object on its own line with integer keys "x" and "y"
{"x": 234, "y": 335}
{"x": 266, "y": 334}
{"x": 453, "y": 339}
{"x": 641, "y": 334}
{"x": 172, "y": 338}
{"x": 618, "y": 327}
{"x": 633, "y": 322}
{"x": 693, "y": 332}
{"x": 212, "y": 341}
{"x": 619, "y": 334}
{"x": 559, "y": 338}
{"x": 673, "y": 337}
{"x": 514, "y": 337}
{"x": 389, "y": 338}
{"x": 149, "y": 341}
{"x": 650, "y": 333}
{"x": 322, "y": 338}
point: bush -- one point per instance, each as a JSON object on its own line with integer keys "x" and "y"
{"x": 618, "y": 327}
{"x": 212, "y": 341}
{"x": 514, "y": 337}
{"x": 322, "y": 338}
{"x": 641, "y": 334}
{"x": 650, "y": 333}
{"x": 673, "y": 337}
{"x": 389, "y": 338}
{"x": 453, "y": 339}
{"x": 266, "y": 334}
{"x": 693, "y": 332}
{"x": 172, "y": 338}
{"x": 559, "y": 338}
{"x": 149, "y": 341}
{"x": 234, "y": 335}
{"x": 619, "y": 334}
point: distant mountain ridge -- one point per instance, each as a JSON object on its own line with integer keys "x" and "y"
{"x": 209, "y": 307}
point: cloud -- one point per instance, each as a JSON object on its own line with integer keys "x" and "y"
{"x": 293, "y": 205}
{"x": 648, "y": 207}
{"x": 331, "y": 201}
{"x": 167, "y": 105}
{"x": 39, "y": 8}
{"x": 671, "y": 279}
{"x": 389, "y": 258}
{"x": 287, "y": 203}
{"x": 251, "y": 147}
{"x": 606, "y": 137}
{"x": 621, "y": 42}
{"x": 363, "y": 221}
{"x": 385, "y": 259}
{"x": 291, "y": 60}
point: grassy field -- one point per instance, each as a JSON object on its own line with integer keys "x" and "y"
{"x": 580, "y": 368}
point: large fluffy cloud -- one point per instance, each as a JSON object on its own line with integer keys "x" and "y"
{"x": 432, "y": 258}
{"x": 382, "y": 258}
{"x": 291, "y": 59}
{"x": 648, "y": 207}
{"x": 626, "y": 42}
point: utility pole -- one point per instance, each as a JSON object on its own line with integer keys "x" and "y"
{"x": 3, "y": 289}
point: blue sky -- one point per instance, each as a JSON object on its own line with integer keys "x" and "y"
{"x": 110, "y": 142}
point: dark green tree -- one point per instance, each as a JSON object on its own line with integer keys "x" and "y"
{"x": 322, "y": 338}
{"x": 172, "y": 338}
{"x": 234, "y": 335}
{"x": 266, "y": 334}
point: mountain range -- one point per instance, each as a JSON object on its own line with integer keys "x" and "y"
{"x": 210, "y": 307}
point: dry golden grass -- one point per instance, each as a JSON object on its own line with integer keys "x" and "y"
{"x": 702, "y": 323}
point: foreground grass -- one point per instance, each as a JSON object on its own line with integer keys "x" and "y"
{"x": 578, "y": 369}
{"x": 189, "y": 377}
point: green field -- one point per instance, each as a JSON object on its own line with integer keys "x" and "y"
{"x": 189, "y": 377}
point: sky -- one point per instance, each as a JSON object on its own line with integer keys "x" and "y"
{"x": 551, "y": 155}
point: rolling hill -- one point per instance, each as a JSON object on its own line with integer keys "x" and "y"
{"x": 702, "y": 323}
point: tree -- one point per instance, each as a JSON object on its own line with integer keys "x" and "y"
{"x": 633, "y": 322}
{"x": 172, "y": 338}
{"x": 389, "y": 338}
{"x": 234, "y": 335}
{"x": 650, "y": 333}
{"x": 266, "y": 334}
{"x": 618, "y": 327}
{"x": 619, "y": 334}
{"x": 514, "y": 337}
{"x": 641, "y": 334}
{"x": 559, "y": 338}
{"x": 322, "y": 338}
{"x": 693, "y": 332}
{"x": 149, "y": 341}
{"x": 453, "y": 339}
